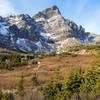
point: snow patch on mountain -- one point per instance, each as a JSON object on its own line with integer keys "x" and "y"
{"x": 45, "y": 35}
{"x": 3, "y": 28}
{"x": 23, "y": 44}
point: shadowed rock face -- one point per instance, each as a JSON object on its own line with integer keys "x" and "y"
{"x": 47, "y": 31}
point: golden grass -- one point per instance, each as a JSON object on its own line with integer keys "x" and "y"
{"x": 9, "y": 79}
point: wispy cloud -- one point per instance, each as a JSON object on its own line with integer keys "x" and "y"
{"x": 93, "y": 23}
{"x": 6, "y": 8}
{"x": 81, "y": 5}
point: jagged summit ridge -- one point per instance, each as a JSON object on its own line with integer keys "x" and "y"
{"x": 48, "y": 13}
{"x": 47, "y": 31}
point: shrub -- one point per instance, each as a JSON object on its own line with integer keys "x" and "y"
{"x": 53, "y": 89}
{"x": 20, "y": 88}
{"x": 10, "y": 61}
{"x": 6, "y": 96}
{"x": 78, "y": 86}
{"x": 34, "y": 80}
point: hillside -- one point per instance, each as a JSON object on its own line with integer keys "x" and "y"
{"x": 36, "y": 76}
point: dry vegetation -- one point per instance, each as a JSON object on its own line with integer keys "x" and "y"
{"x": 49, "y": 65}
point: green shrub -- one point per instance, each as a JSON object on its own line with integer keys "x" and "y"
{"x": 10, "y": 61}
{"x": 6, "y": 96}
{"x": 78, "y": 86}
{"x": 53, "y": 89}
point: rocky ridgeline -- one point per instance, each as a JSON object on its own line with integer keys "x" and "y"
{"x": 47, "y": 31}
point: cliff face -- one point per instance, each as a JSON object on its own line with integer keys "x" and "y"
{"x": 47, "y": 31}
{"x": 63, "y": 32}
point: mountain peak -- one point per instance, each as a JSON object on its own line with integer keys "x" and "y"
{"x": 48, "y": 13}
{"x": 53, "y": 9}
{"x": 48, "y": 32}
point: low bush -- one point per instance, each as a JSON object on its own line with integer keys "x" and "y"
{"x": 78, "y": 86}
{"x": 10, "y": 61}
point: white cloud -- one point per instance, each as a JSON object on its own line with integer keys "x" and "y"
{"x": 6, "y": 8}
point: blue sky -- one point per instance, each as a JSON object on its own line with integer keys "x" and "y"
{"x": 83, "y": 12}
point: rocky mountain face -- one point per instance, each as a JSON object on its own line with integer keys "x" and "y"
{"x": 47, "y": 31}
